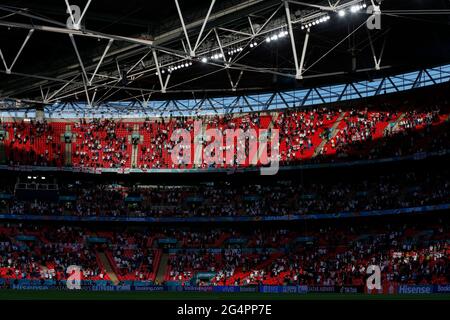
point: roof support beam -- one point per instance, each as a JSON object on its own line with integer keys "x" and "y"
{"x": 101, "y": 61}
{"x": 79, "y": 58}
{"x": 85, "y": 33}
{"x": 60, "y": 89}
{"x": 377, "y": 60}
{"x": 158, "y": 70}
{"x": 301, "y": 67}
{"x": 191, "y": 51}
{"x": 8, "y": 69}
{"x": 204, "y": 25}
{"x": 291, "y": 36}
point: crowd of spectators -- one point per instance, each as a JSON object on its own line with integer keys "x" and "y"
{"x": 405, "y": 255}
{"x": 36, "y": 252}
{"x": 35, "y": 143}
{"x": 320, "y": 134}
{"x": 101, "y": 144}
{"x": 390, "y": 190}
{"x": 330, "y": 255}
{"x": 46, "y": 256}
{"x": 132, "y": 256}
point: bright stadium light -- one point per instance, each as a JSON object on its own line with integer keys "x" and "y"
{"x": 314, "y": 22}
{"x": 204, "y": 60}
{"x": 355, "y": 9}
{"x": 341, "y": 13}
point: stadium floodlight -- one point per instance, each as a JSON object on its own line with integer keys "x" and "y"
{"x": 282, "y": 34}
{"x": 355, "y": 9}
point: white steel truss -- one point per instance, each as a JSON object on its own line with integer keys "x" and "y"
{"x": 159, "y": 55}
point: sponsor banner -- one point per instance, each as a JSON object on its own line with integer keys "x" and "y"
{"x": 289, "y": 289}
{"x": 321, "y": 289}
{"x": 442, "y": 288}
{"x": 386, "y": 288}
{"x": 415, "y": 289}
{"x": 351, "y": 289}
{"x": 248, "y": 289}
{"x": 150, "y": 288}
{"x": 197, "y": 289}
{"x": 299, "y": 289}
{"x": 302, "y": 289}
{"x": 283, "y": 289}
{"x": 227, "y": 289}
{"x": 29, "y": 287}
{"x": 111, "y": 288}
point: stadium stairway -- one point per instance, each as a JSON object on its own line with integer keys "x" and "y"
{"x": 108, "y": 267}
{"x": 261, "y": 145}
{"x": 333, "y": 133}
{"x": 162, "y": 268}
{"x": 395, "y": 126}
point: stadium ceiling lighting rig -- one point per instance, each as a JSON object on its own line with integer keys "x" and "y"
{"x": 217, "y": 56}
{"x": 315, "y": 22}
{"x": 277, "y": 36}
{"x": 236, "y": 50}
{"x": 353, "y": 9}
{"x": 213, "y": 46}
{"x": 176, "y": 67}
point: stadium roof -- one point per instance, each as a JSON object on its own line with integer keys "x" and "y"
{"x": 142, "y": 50}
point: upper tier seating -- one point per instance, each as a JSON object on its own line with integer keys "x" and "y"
{"x": 313, "y": 135}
